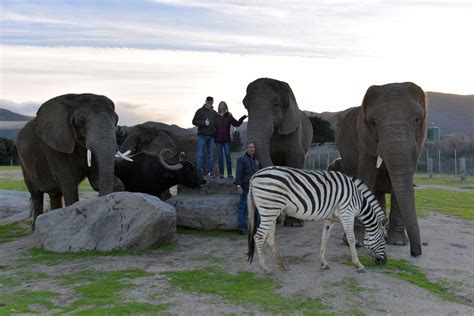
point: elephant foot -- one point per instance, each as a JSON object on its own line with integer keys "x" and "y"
{"x": 359, "y": 239}
{"x": 397, "y": 238}
{"x": 293, "y": 222}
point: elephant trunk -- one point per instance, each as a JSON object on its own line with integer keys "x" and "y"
{"x": 103, "y": 144}
{"x": 261, "y": 137}
{"x": 400, "y": 160}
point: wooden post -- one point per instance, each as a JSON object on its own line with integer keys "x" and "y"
{"x": 462, "y": 168}
{"x": 430, "y": 168}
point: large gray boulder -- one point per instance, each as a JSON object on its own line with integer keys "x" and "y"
{"x": 215, "y": 207}
{"x": 14, "y": 206}
{"x": 120, "y": 220}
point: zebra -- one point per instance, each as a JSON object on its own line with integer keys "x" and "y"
{"x": 309, "y": 195}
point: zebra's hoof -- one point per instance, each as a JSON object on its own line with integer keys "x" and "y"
{"x": 361, "y": 270}
{"x": 325, "y": 267}
{"x": 285, "y": 267}
{"x": 268, "y": 271}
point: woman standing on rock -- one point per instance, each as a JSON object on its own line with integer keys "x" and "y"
{"x": 223, "y": 122}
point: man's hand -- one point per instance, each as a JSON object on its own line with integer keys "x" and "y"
{"x": 207, "y": 122}
{"x": 240, "y": 190}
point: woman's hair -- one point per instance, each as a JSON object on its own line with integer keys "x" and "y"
{"x": 225, "y": 104}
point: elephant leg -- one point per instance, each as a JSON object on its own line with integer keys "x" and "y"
{"x": 396, "y": 229}
{"x": 37, "y": 203}
{"x": 56, "y": 200}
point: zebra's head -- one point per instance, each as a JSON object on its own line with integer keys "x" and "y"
{"x": 374, "y": 241}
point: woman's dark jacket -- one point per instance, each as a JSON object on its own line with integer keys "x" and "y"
{"x": 223, "y": 123}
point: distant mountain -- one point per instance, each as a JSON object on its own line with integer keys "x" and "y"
{"x": 11, "y": 123}
{"x": 452, "y": 113}
{"x": 6, "y": 115}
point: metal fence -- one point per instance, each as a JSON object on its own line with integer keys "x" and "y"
{"x": 447, "y": 162}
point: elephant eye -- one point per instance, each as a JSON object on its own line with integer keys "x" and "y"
{"x": 80, "y": 122}
{"x": 372, "y": 122}
{"x": 418, "y": 119}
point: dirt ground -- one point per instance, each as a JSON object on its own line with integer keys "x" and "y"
{"x": 447, "y": 258}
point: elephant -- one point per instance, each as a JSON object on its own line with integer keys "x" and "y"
{"x": 380, "y": 142}
{"x": 282, "y": 133}
{"x": 72, "y": 137}
{"x": 151, "y": 139}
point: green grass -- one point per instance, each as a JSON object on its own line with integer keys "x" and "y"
{"x": 460, "y": 204}
{"x": 37, "y": 255}
{"x": 100, "y": 288}
{"x": 209, "y": 259}
{"x": 12, "y": 231}
{"x": 95, "y": 292}
{"x": 207, "y": 233}
{"x": 17, "y": 185}
{"x": 404, "y": 270}
{"x": 449, "y": 180}
{"x": 21, "y": 301}
{"x": 244, "y": 288}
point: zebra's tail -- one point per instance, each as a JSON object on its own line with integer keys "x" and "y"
{"x": 251, "y": 225}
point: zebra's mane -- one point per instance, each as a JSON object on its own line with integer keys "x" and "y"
{"x": 369, "y": 197}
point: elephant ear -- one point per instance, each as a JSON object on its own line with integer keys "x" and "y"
{"x": 420, "y": 97}
{"x": 366, "y": 133}
{"x": 53, "y": 126}
{"x": 290, "y": 120}
{"x": 162, "y": 140}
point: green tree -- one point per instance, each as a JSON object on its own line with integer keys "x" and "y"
{"x": 7, "y": 151}
{"x": 322, "y": 131}
{"x": 236, "y": 143}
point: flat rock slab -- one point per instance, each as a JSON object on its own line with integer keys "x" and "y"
{"x": 120, "y": 220}
{"x": 13, "y": 203}
{"x": 207, "y": 212}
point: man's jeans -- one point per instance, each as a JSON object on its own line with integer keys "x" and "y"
{"x": 220, "y": 157}
{"x": 243, "y": 208}
{"x": 207, "y": 141}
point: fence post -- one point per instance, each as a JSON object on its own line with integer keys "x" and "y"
{"x": 430, "y": 167}
{"x": 319, "y": 161}
{"x": 455, "y": 163}
{"x": 439, "y": 161}
{"x": 462, "y": 168}
{"x": 427, "y": 159}
{"x": 327, "y": 161}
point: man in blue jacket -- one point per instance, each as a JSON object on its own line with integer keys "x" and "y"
{"x": 247, "y": 165}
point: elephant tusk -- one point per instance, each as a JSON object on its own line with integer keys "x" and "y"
{"x": 89, "y": 157}
{"x": 127, "y": 152}
{"x": 379, "y": 161}
{"x": 123, "y": 155}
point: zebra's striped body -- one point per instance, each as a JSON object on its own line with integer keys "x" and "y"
{"x": 311, "y": 195}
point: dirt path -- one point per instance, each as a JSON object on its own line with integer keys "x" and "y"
{"x": 448, "y": 259}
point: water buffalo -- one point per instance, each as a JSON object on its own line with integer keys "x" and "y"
{"x": 153, "y": 175}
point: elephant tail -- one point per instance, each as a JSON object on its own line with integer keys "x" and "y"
{"x": 251, "y": 225}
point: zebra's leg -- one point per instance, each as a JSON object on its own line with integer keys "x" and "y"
{"x": 275, "y": 252}
{"x": 260, "y": 236}
{"x": 328, "y": 225}
{"x": 347, "y": 222}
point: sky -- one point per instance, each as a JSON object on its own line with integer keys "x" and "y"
{"x": 159, "y": 59}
